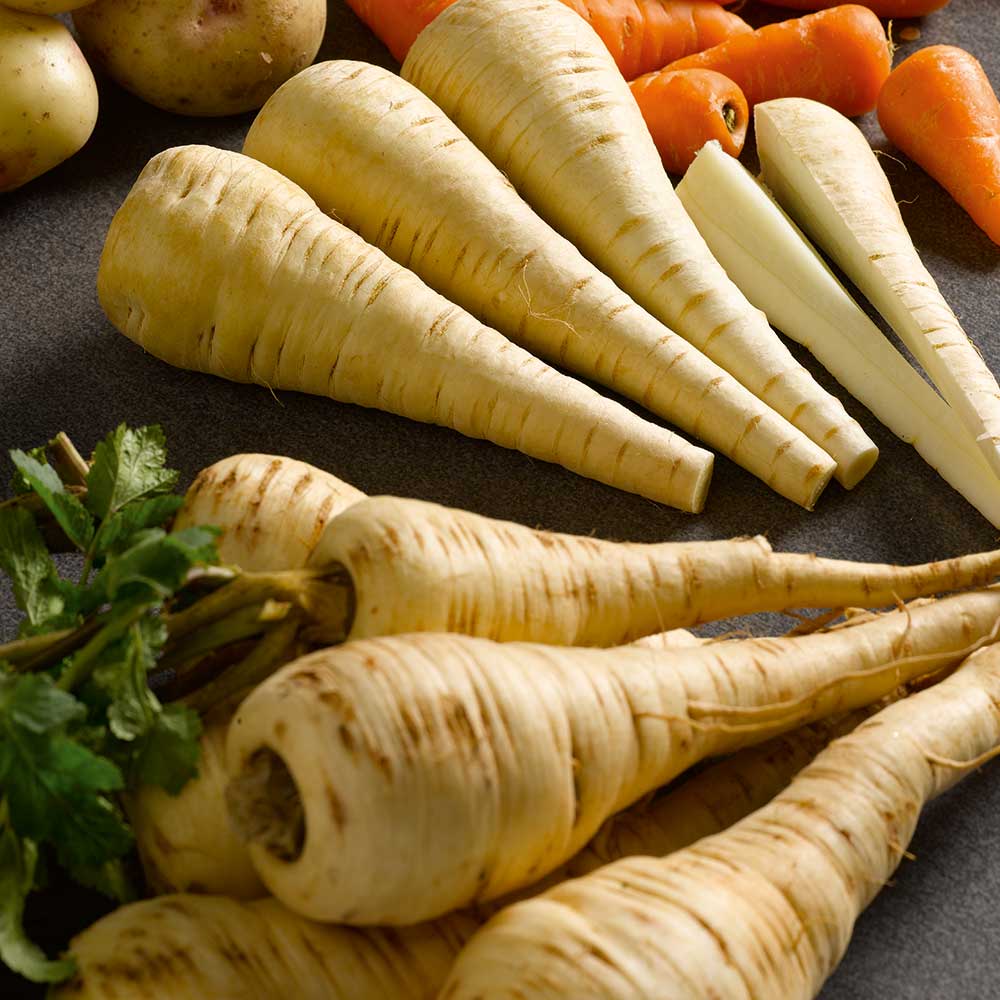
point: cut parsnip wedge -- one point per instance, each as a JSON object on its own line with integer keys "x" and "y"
{"x": 779, "y": 271}
{"x": 824, "y": 174}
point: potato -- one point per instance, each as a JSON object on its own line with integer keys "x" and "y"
{"x": 48, "y": 98}
{"x": 202, "y": 57}
{"x": 45, "y": 6}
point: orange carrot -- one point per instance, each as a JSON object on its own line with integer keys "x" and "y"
{"x": 884, "y": 8}
{"x": 838, "y": 57}
{"x": 939, "y": 108}
{"x": 642, "y": 35}
{"x": 686, "y": 108}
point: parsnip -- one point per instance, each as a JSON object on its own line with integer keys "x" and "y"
{"x": 778, "y": 270}
{"x": 461, "y": 769}
{"x": 186, "y": 842}
{"x": 265, "y": 288}
{"x": 214, "y": 948}
{"x": 381, "y": 157}
{"x": 272, "y": 510}
{"x": 531, "y": 84}
{"x": 824, "y": 174}
{"x": 765, "y": 909}
{"x": 419, "y": 567}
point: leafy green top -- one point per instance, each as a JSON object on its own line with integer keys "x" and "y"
{"x": 76, "y": 729}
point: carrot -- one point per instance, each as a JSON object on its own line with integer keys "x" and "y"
{"x": 642, "y": 35}
{"x": 263, "y": 287}
{"x": 531, "y": 84}
{"x": 382, "y": 158}
{"x": 272, "y": 510}
{"x": 884, "y": 8}
{"x": 461, "y": 769}
{"x": 766, "y": 908}
{"x": 839, "y": 56}
{"x": 822, "y": 171}
{"x": 687, "y": 108}
{"x": 939, "y": 108}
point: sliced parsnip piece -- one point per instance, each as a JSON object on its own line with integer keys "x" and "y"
{"x": 532, "y": 85}
{"x": 218, "y": 263}
{"x": 382, "y": 158}
{"x": 779, "y": 271}
{"x": 824, "y": 174}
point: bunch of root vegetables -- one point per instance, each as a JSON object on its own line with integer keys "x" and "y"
{"x": 430, "y": 243}
{"x": 482, "y": 793}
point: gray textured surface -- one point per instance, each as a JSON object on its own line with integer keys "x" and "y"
{"x": 935, "y": 934}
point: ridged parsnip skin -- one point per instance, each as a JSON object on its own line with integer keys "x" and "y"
{"x": 766, "y": 254}
{"x": 764, "y": 909}
{"x": 272, "y": 510}
{"x": 824, "y": 174}
{"x": 382, "y": 158}
{"x": 186, "y": 842}
{"x": 420, "y": 567}
{"x": 460, "y": 769}
{"x": 554, "y": 113}
{"x": 213, "y": 948}
{"x": 216, "y": 262}
{"x": 48, "y": 97}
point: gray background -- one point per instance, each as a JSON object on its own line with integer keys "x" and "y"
{"x": 935, "y": 933}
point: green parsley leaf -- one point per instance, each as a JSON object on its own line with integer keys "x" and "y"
{"x": 128, "y": 465}
{"x": 118, "y": 531}
{"x": 53, "y": 785}
{"x": 169, "y": 753}
{"x": 132, "y": 707}
{"x": 26, "y": 560}
{"x": 17, "y": 877}
{"x": 72, "y": 516}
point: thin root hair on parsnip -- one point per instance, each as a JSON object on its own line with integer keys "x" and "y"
{"x": 380, "y": 155}
{"x": 461, "y": 769}
{"x": 419, "y": 567}
{"x": 766, "y": 908}
{"x": 272, "y": 510}
{"x": 264, "y": 287}
{"x": 824, "y": 174}
{"x": 768, "y": 257}
{"x": 531, "y": 84}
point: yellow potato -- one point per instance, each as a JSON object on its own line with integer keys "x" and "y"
{"x": 202, "y": 57}
{"x": 48, "y": 98}
{"x": 45, "y": 6}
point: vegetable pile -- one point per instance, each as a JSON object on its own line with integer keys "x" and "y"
{"x": 321, "y": 743}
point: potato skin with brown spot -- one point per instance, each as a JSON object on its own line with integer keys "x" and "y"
{"x": 202, "y": 57}
{"x": 48, "y": 98}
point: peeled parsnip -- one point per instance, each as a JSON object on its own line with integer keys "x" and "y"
{"x": 263, "y": 287}
{"x": 531, "y": 84}
{"x": 213, "y": 948}
{"x": 778, "y": 270}
{"x": 822, "y": 171}
{"x": 272, "y": 510}
{"x": 382, "y": 158}
{"x": 766, "y": 908}
{"x": 461, "y": 769}
{"x": 420, "y": 567}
